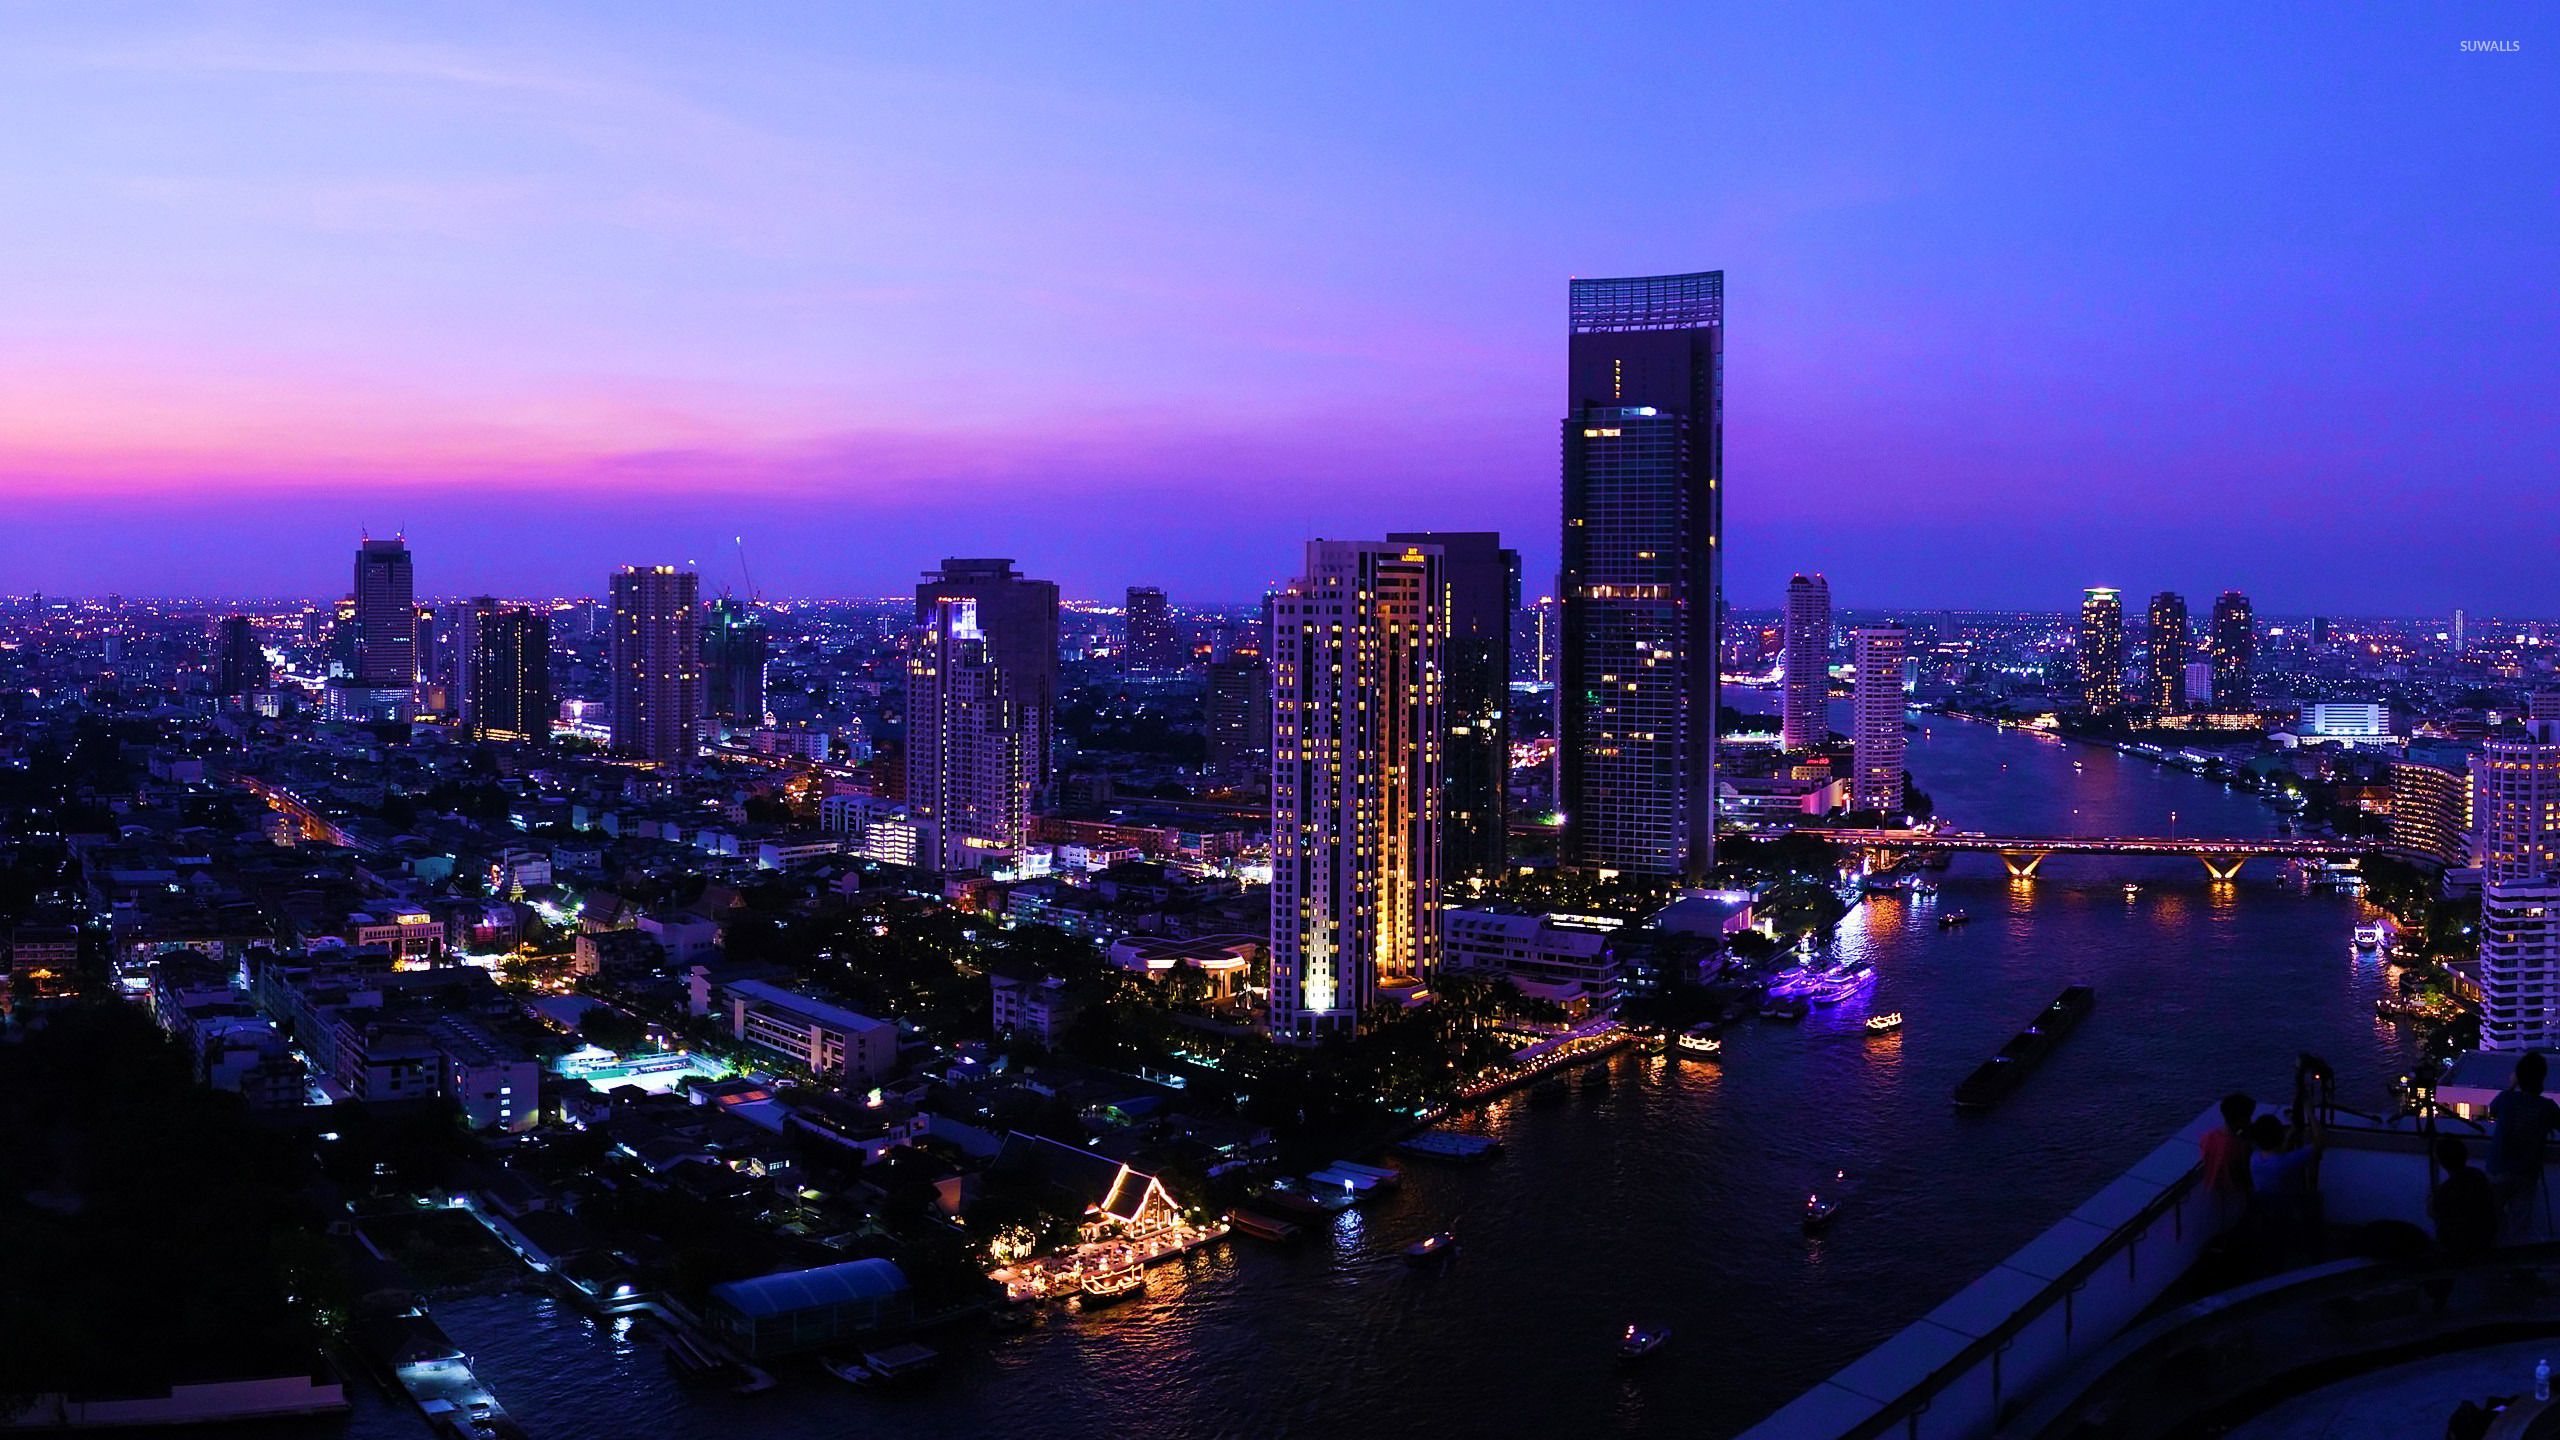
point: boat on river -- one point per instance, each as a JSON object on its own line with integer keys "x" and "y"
{"x": 1110, "y": 1287}
{"x": 1884, "y": 1024}
{"x": 1785, "y": 1008}
{"x": 1950, "y": 919}
{"x": 1997, "y": 1076}
{"x": 1701, "y": 1041}
{"x": 1431, "y": 1249}
{"x": 1642, "y": 1340}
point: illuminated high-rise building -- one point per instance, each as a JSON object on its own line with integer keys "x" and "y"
{"x": 1877, "y": 653}
{"x": 1356, "y": 735}
{"x": 657, "y": 664}
{"x": 2235, "y": 651}
{"x": 1804, "y": 664}
{"x": 1483, "y": 589}
{"x": 1154, "y": 644}
{"x": 1642, "y": 574}
{"x": 970, "y": 732}
{"x": 2101, "y": 658}
{"x": 510, "y": 666}
{"x": 463, "y": 637}
{"x": 2516, "y": 810}
{"x": 1019, "y": 618}
{"x": 386, "y": 616}
{"x": 735, "y": 650}
{"x": 2461, "y": 623}
{"x": 2431, "y": 810}
{"x": 2171, "y": 645}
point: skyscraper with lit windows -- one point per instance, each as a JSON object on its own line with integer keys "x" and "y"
{"x": 2235, "y": 651}
{"x": 1018, "y": 616}
{"x": 510, "y": 668}
{"x": 970, "y": 731}
{"x": 2170, "y": 647}
{"x": 1356, "y": 737}
{"x": 1876, "y": 737}
{"x": 2516, "y": 808}
{"x": 1804, "y": 664}
{"x": 1483, "y": 589}
{"x": 657, "y": 664}
{"x": 1642, "y": 573}
{"x": 386, "y": 635}
{"x": 2101, "y": 656}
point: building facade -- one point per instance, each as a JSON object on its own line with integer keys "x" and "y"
{"x": 2235, "y": 652}
{"x": 2431, "y": 811}
{"x": 1804, "y": 666}
{"x": 1356, "y": 783}
{"x": 1475, "y": 805}
{"x": 1153, "y": 642}
{"x": 510, "y": 667}
{"x": 657, "y": 664}
{"x": 2101, "y": 654}
{"x": 735, "y": 651}
{"x": 970, "y": 744}
{"x": 1876, "y": 738}
{"x": 1019, "y": 618}
{"x": 2516, "y": 807}
{"x": 2172, "y": 645}
{"x": 386, "y": 635}
{"x": 1642, "y": 574}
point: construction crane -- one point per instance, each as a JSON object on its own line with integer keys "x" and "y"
{"x": 753, "y": 597}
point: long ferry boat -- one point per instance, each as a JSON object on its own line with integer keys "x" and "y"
{"x": 2000, "y": 1074}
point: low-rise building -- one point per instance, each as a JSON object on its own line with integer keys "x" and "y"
{"x": 825, "y": 1039}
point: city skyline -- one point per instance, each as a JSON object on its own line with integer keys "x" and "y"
{"x": 202, "y": 375}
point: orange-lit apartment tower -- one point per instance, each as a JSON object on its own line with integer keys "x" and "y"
{"x": 1356, "y": 669}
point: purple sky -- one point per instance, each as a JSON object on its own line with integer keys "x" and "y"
{"x": 2253, "y": 296}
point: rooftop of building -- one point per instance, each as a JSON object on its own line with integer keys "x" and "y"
{"x": 2160, "y": 1308}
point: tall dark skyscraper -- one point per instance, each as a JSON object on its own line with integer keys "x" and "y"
{"x": 510, "y": 666}
{"x": 2101, "y": 652}
{"x": 240, "y": 665}
{"x": 2235, "y": 651}
{"x": 657, "y": 664}
{"x": 1153, "y": 642}
{"x": 1642, "y": 573}
{"x": 1018, "y": 617}
{"x": 1483, "y": 582}
{"x": 1238, "y": 704}
{"x": 386, "y": 631}
{"x": 735, "y": 649}
{"x": 2170, "y": 650}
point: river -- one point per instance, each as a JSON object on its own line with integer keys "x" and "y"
{"x": 1672, "y": 1197}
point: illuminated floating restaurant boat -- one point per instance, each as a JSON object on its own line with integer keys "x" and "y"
{"x": 1701, "y": 1041}
{"x": 1110, "y": 1287}
{"x": 1884, "y": 1024}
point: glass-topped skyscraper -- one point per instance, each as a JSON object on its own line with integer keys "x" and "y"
{"x": 1643, "y": 531}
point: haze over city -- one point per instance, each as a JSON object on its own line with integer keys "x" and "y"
{"x": 2183, "y": 298}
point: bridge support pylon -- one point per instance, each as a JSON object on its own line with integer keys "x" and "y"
{"x": 2022, "y": 863}
{"x": 2223, "y": 868}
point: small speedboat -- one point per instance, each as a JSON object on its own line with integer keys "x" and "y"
{"x": 1951, "y": 919}
{"x": 1431, "y": 1249}
{"x": 1818, "y": 1210}
{"x": 1884, "y": 1024}
{"x": 2131, "y": 890}
{"x": 1642, "y": 1340}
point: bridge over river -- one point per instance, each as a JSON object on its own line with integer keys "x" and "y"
{"x": 2222, "y": 857}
